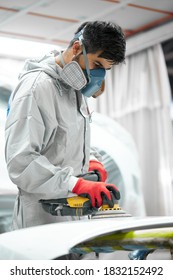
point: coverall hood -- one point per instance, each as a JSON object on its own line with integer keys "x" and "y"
{"x": 48, "y": 65}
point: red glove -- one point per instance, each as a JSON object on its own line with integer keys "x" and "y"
{"x": 97, "y": 166}
{"x": 95, "y": 190}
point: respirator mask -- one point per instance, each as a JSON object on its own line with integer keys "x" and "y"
{"x": 88, "y": 81}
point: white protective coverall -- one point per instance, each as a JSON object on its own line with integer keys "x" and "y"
{"x": 47, "y": 140}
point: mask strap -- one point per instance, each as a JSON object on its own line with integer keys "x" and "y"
{"x": 86, "y": 63}
{"x": 80, "y": 37}
{"x": 62, "y": 59}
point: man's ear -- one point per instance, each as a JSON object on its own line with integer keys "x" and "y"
{"x": 77, "y": 47}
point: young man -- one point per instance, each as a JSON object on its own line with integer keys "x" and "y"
{"x": 47, "y": 128}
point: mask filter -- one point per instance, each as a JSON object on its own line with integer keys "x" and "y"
{"x": 73, "y": 75}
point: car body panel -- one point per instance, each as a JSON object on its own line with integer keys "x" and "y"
{"x": 55, "y": 240}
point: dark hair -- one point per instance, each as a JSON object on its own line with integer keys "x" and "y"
{"x": 103, "y": 36}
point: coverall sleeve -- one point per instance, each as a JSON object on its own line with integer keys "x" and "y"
{"x": 27, "y": 167}
{"x": 95, "y": 155}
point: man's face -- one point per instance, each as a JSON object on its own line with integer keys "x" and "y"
{"x": 94, "y": 62}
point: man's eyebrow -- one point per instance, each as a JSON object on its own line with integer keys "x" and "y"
{"x": 102, "y": 66}
{"x": 99, "y": 64}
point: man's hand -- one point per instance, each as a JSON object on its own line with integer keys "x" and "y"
{"x": 98, "y": 167}
{"x": 95, "y": 191}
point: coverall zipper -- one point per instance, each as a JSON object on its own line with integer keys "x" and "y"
{"x": 85, "y": 127}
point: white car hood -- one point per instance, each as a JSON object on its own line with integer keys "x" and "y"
{"x": 55, "y": 240}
